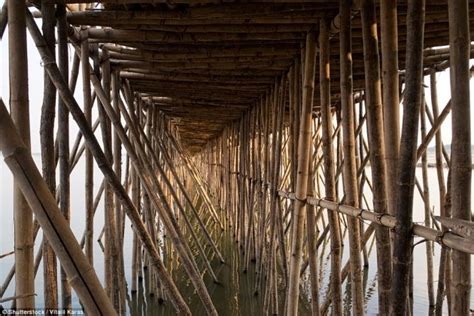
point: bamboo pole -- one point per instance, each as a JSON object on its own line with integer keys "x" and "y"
{"x": 23, "y": 218}
{"x": 426, "y": 202}
{"x": 63, "y": 142}
{"x": 459, "y": 41}
{"x": 402, "y": 252}
{"x": 82, "y": 277}
{"x": 391, "y": 107}
{"x": 94, "y": 146}
{"x": 350, "y": 169}
{"x": 302, "y": 178}
{"x": 89, "y": 173}
{"x": 329, "y": 164}
{"x": 377, "y": 147}
{"x": 47, "y": 156}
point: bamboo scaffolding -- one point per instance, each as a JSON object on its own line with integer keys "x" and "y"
{"x": 55, "y": 227}
{"x": 88, "y": 135}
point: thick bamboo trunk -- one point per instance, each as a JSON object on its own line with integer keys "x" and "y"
{"x": 329, "y": 164}
{"x": 377, "y": 146}
{"x": 350, "y": 169}
{"x": 304, "y": 153}
{"x": 459, "y": 41}
{"x": 391, "y": 106}
{"x": 23, "y": 218}
{"x": 402, "y": 253}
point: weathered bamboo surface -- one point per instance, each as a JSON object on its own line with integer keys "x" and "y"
{"x": 274, "y": 122}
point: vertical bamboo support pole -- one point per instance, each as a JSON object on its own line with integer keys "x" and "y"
{"x": 402, "y": 253}
{"x": 459, "y": 40}
{"x": 329, "y": 164}
{"x": 350, "y": 168}
{"x": 63, "y": 140}
{"x": 47, "y": 155}
{"x": 119, "y": 214}
{"x": 304, "y": 155}
{"x": 312, "y": 236}
{"x": 89, "y": 195}
{"x": 376, "y": 141}
{"x": 391, "y": 107}
{"x": 444, "y": 257}
{"x": 426, "y": 200}
{"x": 23, "y": 217}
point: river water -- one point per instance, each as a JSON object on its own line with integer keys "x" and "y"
{"x": 235, "y": 294}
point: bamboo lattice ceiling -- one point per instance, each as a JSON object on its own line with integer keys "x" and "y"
{"x": 203, "y": 63}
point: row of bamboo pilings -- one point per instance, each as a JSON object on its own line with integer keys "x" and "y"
{"x": 290, "y": 172}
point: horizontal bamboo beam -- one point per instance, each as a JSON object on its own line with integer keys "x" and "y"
{"x": 443, "y": 238}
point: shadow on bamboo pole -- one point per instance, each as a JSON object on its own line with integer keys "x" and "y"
{"x": 402, "y": 253}
{"x": 81, "y": 275}
{"x": 304, "y": 154}
{"x": 459, "y": 42}
{"x": 376, "y": 142}
{"x": 329, "y": 164}
{"x": 350, "y": 168}
{"x": 23, "y": 218}
{"x": 139, "y": 227}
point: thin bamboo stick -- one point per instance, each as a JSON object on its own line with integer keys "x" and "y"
{"x": 426, "y": 202}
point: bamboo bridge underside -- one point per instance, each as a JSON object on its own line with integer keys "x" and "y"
{"x": 278, "y": 122}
